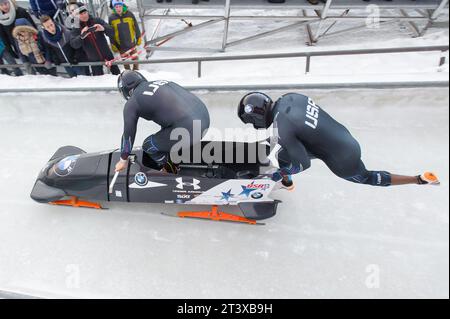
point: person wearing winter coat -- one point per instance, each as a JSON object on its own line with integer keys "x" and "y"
{"x": 91, "y": 36}
{"x": 2, "y": 49}
{"x": 127, "y": 35}
{"x": 46, "y": 7}
{"x": 5, "y": 55}
{"x": 31, "y": 51}
{"x": 72, "y": 11}
{"x": 9, "y": 13}
{"x": 56, "y": 42}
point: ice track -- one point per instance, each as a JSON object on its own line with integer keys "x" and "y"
{"x": 330, "y": 238}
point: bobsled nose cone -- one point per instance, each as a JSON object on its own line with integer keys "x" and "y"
{"x": 42, "y": 193}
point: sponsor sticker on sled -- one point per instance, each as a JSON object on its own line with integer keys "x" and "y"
{"x": 141, "y": 179}
{"x": 183, "y": 183}
{"x": 254, "y": 186}
{"x": 65, "y": 166}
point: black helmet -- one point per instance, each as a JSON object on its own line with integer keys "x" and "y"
{"x": 128, "y": 81}
{"x": 256, "y": 108}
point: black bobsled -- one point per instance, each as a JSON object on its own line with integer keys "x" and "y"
{"x": 240, "y": 179}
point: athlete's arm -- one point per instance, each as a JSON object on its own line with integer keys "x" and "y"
{"x": 130, "y": 119}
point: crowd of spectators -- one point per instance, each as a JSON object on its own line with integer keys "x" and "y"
{"x": 64, "y": 32}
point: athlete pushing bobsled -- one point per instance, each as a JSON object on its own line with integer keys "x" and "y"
{"x": 165, "y": 103}
{"x": 306, "y": 131}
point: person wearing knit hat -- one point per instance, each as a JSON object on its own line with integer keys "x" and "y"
{"x": 127, "y": 36}
{"x": 90, "y": 35}
{"x": 73, "y": 9}
{"x": 117, "y": 3}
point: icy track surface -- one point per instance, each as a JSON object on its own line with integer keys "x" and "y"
{"x": 331, "y": 238}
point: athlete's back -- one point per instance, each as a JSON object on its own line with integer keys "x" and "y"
{"x": 166, "y": 103}
{"x": 321, "y": 134}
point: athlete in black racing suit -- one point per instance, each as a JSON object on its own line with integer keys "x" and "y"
{"x": 165, "y": 103}
{"x": 306, "y": 131}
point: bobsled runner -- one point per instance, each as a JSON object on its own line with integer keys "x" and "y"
{"x": 237, "y": 177}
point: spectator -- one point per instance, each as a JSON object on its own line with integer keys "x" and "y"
{"x": 72, "y": 9}
{"x": 30, "y": 48}
{"x": 9, "y": 13}
{"x": 46, "y": 7}
{"x": 7, "y": 56}
{"x": 2, "y": 49}
{"x": 56, "y": 41}
{"x": 126, "y": 31}
{"x": 90, "y": 35}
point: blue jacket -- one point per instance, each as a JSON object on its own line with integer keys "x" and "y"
{"x": 45, "y": 7}
{"x": 2, "y": 47}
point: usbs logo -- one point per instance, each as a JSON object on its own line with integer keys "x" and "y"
{"x": 262, "y": 187}
{"x": 141, "y": 179}
{"x": 66, "y": 165}
{"x": 247, "y": 190}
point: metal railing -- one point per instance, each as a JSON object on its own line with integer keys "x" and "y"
{"x": 258, "y": 87}
{"x": 306, "y": 54}
{"x": 426, "y": 11}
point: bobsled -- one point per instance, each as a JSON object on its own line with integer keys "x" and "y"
{"x": 235, "y": 176}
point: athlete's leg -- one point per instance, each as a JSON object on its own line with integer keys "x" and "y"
{"x": 423, "y": 179}
{"x": 160, "y": 145}
{"x": 404, "y": 180}
{"x": 361, "y": 175}
{"x": 382, "y": 178}
{"x": 294, "y": 160}
{"x": 291, "y": 161}
{"x": 353, "y": 169}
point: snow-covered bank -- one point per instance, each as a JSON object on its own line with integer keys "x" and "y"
{"x": 109, "y": 82}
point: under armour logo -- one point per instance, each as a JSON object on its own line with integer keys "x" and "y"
{"x": 195, "y": 183}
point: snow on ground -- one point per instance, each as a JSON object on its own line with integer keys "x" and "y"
{"x": 330, "y": 239}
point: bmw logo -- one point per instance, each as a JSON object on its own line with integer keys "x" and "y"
{"x": 257, "y": 195}
{"x": 141, "y": 179}
{"x": 65, "y": 166}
